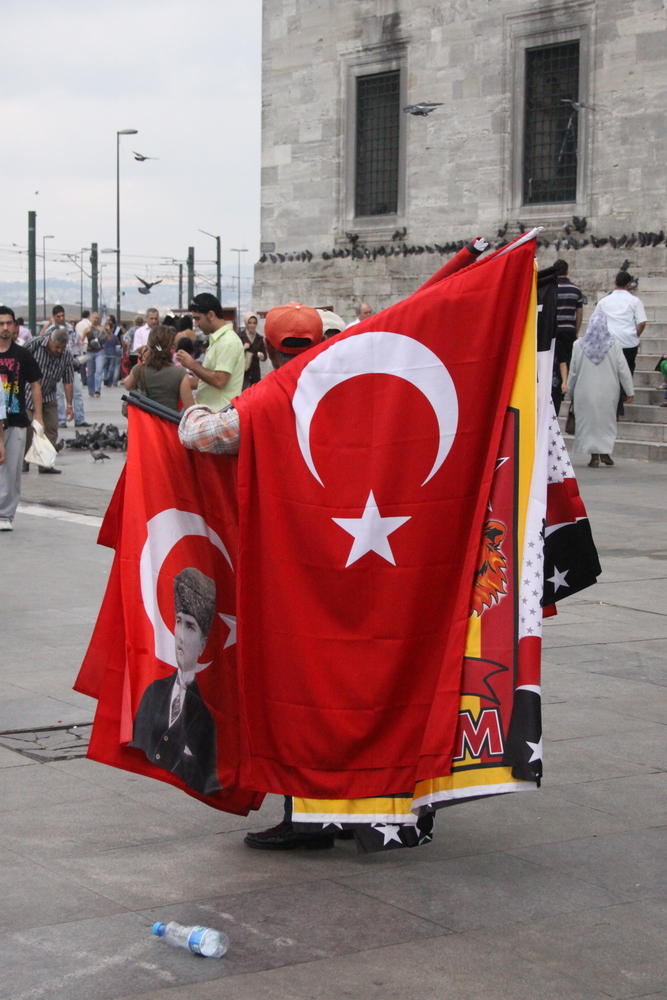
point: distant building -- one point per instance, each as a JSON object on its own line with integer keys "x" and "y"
{"x": 512, "y": 141}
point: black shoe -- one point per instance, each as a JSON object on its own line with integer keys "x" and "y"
{"x": 52, "y": 472}
{"x": 284, "y": 838}
{"x": 26, "y": 466}
{"x": 62, "y": 424}
{"x": 84, "y": 423}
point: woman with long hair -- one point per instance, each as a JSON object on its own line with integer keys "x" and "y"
{"x": 253, "y": 345}
{"x": 156, "y": 375}
{"x": 598, "y": 372}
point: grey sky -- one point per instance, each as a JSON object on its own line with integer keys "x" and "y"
{"x": 185, "y": 74}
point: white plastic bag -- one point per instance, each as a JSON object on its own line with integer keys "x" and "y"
{"x": 41, "y": 451}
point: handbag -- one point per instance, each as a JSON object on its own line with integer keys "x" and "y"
{"x": 569, "y": 421}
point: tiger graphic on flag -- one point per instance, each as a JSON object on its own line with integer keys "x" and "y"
{"x": 490, "y": 582}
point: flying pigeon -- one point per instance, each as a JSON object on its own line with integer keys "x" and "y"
{"x": 422, "y": 109}
{"x": 577, "y": 105}
{"x": 146, "y": 290}
{"x": 140, "y": 157}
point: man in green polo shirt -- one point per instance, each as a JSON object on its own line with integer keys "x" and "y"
{"x": 221, "y": 374}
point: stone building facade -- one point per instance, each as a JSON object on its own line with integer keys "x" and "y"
{"x": 358, "y": 193}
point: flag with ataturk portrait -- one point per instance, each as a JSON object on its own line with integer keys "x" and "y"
{"x": 380, "y": 552}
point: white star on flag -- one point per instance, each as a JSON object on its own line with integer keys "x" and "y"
{"x": 230, "y": 622}
{"x": 558, "y": 579}
{"x": 537, "y": 750}
{"x": 389, "y": 832}
{"x": 370, "y": 532}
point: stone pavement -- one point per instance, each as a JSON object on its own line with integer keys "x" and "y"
{"x": 559, "y": 894}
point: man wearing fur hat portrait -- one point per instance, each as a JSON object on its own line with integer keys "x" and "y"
{"x": 173, "y": 725}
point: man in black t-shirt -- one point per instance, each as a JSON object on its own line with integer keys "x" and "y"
{"x": 570, "y": 310}
{"x": 18, "y": 369}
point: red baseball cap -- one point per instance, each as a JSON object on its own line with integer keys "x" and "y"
{"x": 293, "y": 328}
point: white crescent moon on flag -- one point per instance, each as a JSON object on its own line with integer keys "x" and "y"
{"x": 377, "y": 353}
{"x": 164, "y": 531}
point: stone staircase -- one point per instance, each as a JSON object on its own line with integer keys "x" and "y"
{"x": 642, "y": 432}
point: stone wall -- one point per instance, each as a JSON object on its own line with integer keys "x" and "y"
{"x": 460, "y": 163}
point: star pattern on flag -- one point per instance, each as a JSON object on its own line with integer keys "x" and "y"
{"x": 560, "y": 467}
{"x": 389, "y": 832}
{"x": 558, "y": 579}
{"x": 530, "y": 622}
{"x": 230, "y": 622}
{"x": 370, "y": 532}
{"x": 536, "y": 749}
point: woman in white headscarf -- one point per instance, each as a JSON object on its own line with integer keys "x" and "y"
{"x": 598, "y": 370}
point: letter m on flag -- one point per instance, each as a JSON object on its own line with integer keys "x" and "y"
{"x": 476, "y": 737}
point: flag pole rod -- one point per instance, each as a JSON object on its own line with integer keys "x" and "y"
{"x": 150, "y": 406}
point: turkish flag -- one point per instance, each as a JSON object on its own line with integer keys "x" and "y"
{"x": 162, "y": 658}
{"x": 364, "y": 477}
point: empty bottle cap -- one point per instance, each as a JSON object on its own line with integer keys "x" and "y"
{"x": 159, "y": 929}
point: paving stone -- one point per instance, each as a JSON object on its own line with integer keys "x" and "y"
{"x": 286, "y": 925}
{"x": 481, "y": 891}
{"x": 619, "y": 950}
{"x": 33, "y": 896}
{"x": 196, "y": 868}
{"x": 641, "y": 798}
{"x": 35, "y": 710}
{"x": 8, "y": 758}
{"x": 633, "y": 863}
{"x": 90, "y": 823}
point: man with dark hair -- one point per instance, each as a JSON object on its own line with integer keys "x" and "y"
{"x": 75, "y": 347}
{"x": 173, "y": 725}
{"x": 18, "y": 369}
{"x": 223, "y": 366}
{"x": 23, "y": 334}
{"x": 140, "y": 338}
{"x": 626, "y": 316}
{"x": 570, "y": 311}
{"x": 288, "y": 331}
{"x": 57, "y": 365}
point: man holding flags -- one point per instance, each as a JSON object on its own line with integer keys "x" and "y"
{"x": 385, "y": 514}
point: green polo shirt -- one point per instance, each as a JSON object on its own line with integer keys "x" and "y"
{"x": 224, "y": 354}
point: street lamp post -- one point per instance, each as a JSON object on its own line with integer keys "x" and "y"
{"x": 44, "y": 239}
{"x": 238, "y": 300}
{"x": 218, "y": 265}
{"x": 123, "y": 131}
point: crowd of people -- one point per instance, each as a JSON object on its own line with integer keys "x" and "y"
{"x": 201, "y": 358}
{"x": 198, "y": 356}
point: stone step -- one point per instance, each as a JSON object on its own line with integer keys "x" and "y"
{"x": 652, "y": 298}
{"x": 649, "y": 396}
{"x": 656, "y": 314}
{"x": 644, "y": 414}
{"x": 647, "y": 362}
{"x": 655, "y": 284}
{"x": 643, "y": 451}
{"x": 652, "y": 344}
{"x": 649, "y": 380}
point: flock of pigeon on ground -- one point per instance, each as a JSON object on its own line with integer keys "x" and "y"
{"x": 571, "y": 239}
{"x": 98, "y": 437}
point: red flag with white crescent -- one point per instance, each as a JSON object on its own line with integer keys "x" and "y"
{"x": 364, "y": 476}
{"x": 162, "y": 659}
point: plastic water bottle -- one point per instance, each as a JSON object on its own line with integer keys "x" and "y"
{"x": 199, "y": 940}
